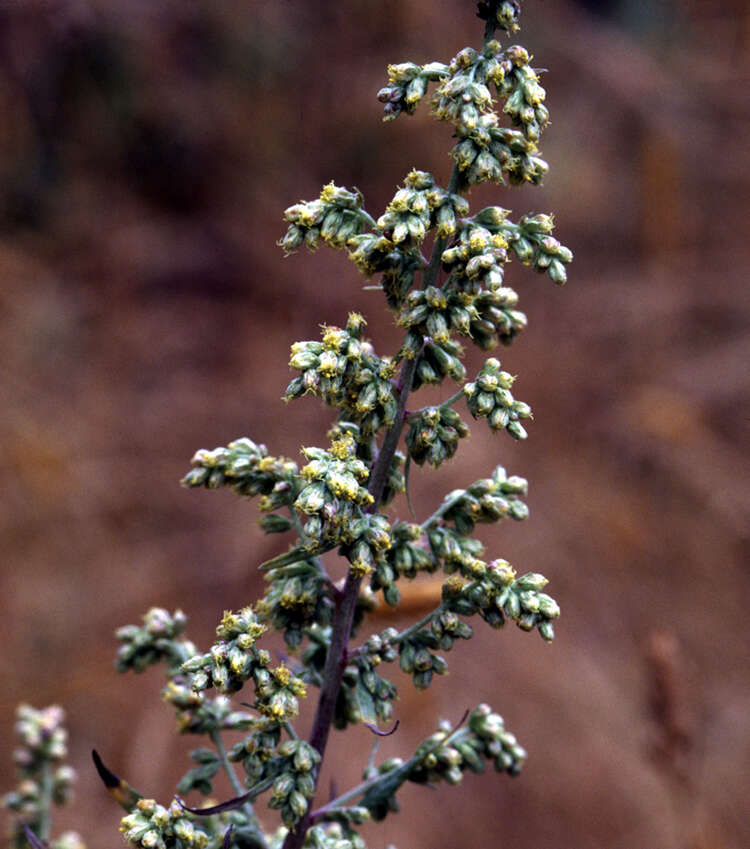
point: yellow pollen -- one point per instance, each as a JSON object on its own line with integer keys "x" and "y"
{"x": 282, "y": 674}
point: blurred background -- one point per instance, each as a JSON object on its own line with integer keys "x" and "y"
{"x": 147, "y": 152}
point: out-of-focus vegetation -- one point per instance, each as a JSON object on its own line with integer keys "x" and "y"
{"x": 146, "y": 154}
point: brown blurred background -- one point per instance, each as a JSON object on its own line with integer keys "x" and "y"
{"x": 147, "y": 151}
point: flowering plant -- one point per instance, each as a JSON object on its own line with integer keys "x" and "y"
{"x": 337, "y": 500}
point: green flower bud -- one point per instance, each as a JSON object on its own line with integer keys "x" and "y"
{"x": 426, "y": 373}
{"x": 422, "y": 660}
{"x": 523, "y": 249}
{"x": 312, "y": 498}
{"x": 529, "y": 601}
{"x": 548, "y": 606}
{"x": 403, "y": 72}
{"x": 439, "y": 665}
{"x": 282, "y": 787}
{"x": 516, "y": 430}
{"x": 527, "y": 621}
{"x": 298, "y": 804}
{"x": 183, "y": 828}
{"x": 557, "y": 272}
{"x": 392, "y": 595}
{"x": 531, "y": 581}
{"x": 305, "y": 758}
{"x": 306, "y": 785}
{"x": 546, "y": 630}
{"x": 518, "y": 510}
{"x": 407, "y": 655}
{"x": 422, "y": 680}
{"x": 512, "y": 606}
{"x": 484, "y": 403}
{"x": 446, "y": 221}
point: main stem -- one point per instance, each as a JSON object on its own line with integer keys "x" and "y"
{"x": 344, "y": 615}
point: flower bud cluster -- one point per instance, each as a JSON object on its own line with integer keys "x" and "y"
{"x": 485, "y": 740}
{"x": 373, "y": 253}
{"x": 489, "y": 396}
{"x": 494, "y": 593}
{"x": 434, "y": 313}
{"x": 297, "y": 595}
{"x": 42, "y": 736}
{"x": 524, "y": 97}
{"x": 436, "y": 361}
{"x": 372, "y": 402}
{"x": 43, "y": 779}
{"x": 384, "y": 578}
{"x": 152, "y": 826}
{"x": 334, "y": 496}
{"x": 533, "y": 245}
{"x": 487, "y": 500}
{"x": 407, "y": 85}
{"x": 498, "y": 155}
{"x": 154, "y": 641}
{"x": 395, "y": 482}
{"x": 497, "y": 744}
{"x": 406, "y": 556}
{"x": 402, "y": 555}
{"x": 334, "y": 217}
{"x": 416, "y": 657}
{"x": 256, "y": 752}
{"x": 463, "y": 94}
{"x": 433, "y": 435}
{"x": 399, "y": 271}
{"x": 499, "y": 321}
{"x": 344, "y": 371}
{"x": 447, "y": 211}
{"x": 278, "y": 693}
{"x": 530, "y": 240}
{"x": 367, "y": 540}
{"x": 476, "y": 265}
{"x": 380, "y": 648}
{"x": 247, "y": 468}
{"x": 197, "y": 714}
{"x": 407, "y": 217}
{"x": 418, "y": 207}
{"x": 157, "y": 641}
{"x": 504, "y": 14}
{"x": 485, "y": 151}
{"x": 335, "y": 835}
{"x": 364, "y": 695}
{"x": 454, "y": 550}
{"x": 295, "y": 783}
{"x": 477, "y": 259}
{"x": 233, "y": 659}
{"x": 445, "y": 756}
